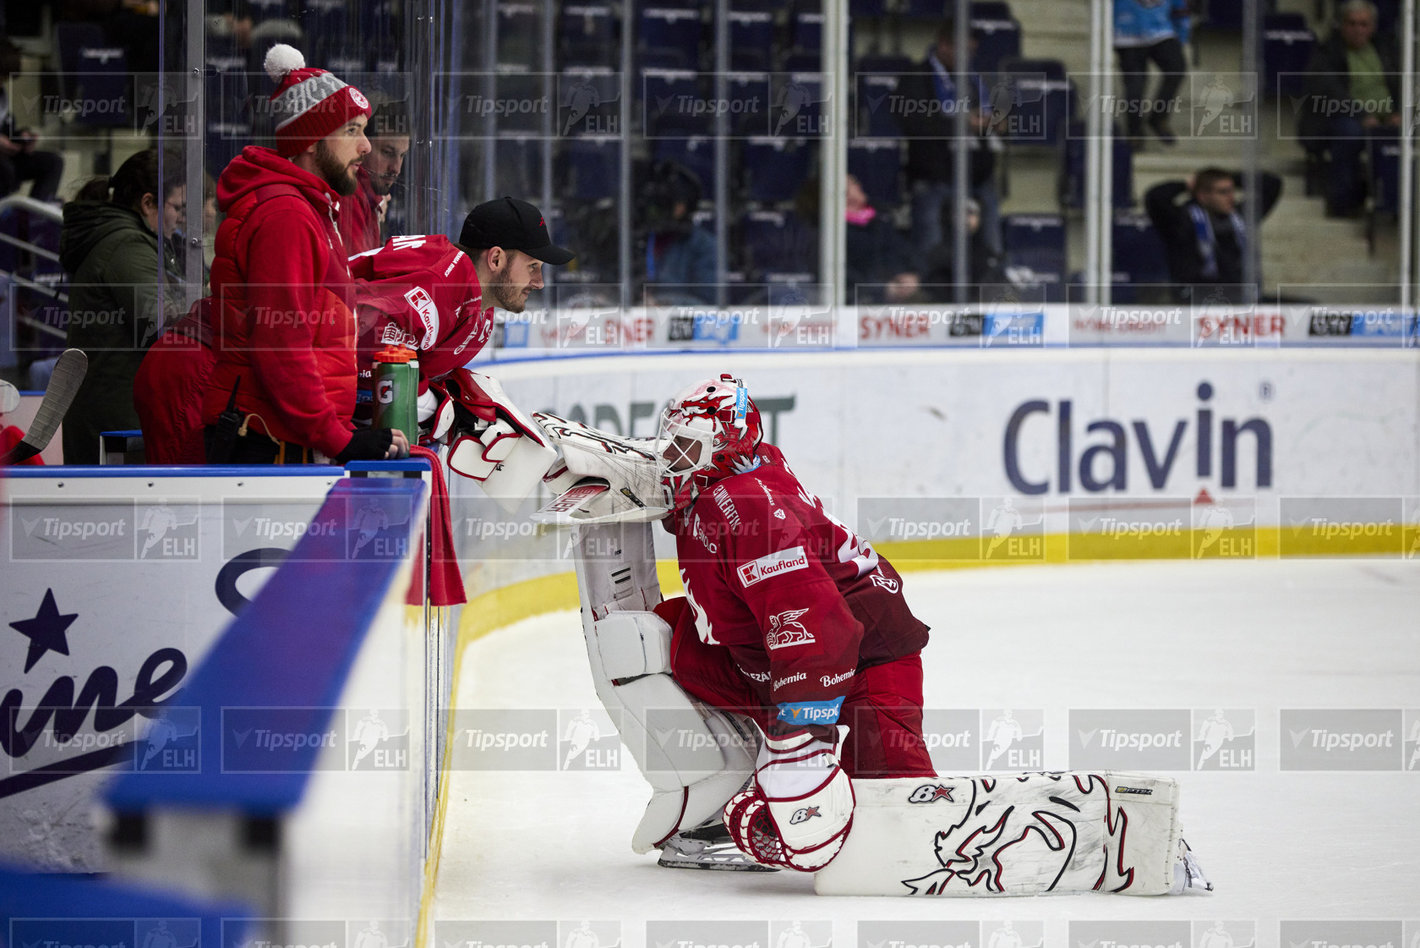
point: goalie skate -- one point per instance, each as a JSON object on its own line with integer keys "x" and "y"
{"x": 1187, "y": 873}
{"x": 707, "y": 846}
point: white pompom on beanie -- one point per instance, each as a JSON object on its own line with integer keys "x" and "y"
{"x": 308, "y": 103}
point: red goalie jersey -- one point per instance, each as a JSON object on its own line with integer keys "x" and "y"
{"x": 813, "y": 620}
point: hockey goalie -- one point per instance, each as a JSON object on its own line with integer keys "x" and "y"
{"x": 776, "y": 708}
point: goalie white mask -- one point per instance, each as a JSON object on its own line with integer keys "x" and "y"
{"x": 708, "y": 431}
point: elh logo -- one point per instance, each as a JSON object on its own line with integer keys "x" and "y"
{"x": 1224, "y": 739}
{"x": 588, "y": 740}
{"x": 1012, "y": 740}
{"x": 1224, "y": 105}
{"x": 378, "y": 739}
{"x": 1225, "y": 934}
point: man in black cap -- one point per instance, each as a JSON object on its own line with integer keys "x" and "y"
{"x": 508, "y": 243}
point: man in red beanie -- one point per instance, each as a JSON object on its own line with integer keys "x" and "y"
{"x": 283, "y": 386}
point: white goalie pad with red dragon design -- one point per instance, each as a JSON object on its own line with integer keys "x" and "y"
{"x": 1012, "y": 834}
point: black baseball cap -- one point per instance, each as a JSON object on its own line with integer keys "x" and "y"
{"x": 512, "y": 225}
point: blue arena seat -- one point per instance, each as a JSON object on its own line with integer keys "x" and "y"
{"x": 587, "y": 35}
{"x": 878, "y": 167}
{"x": 997, "y": 35}
{"x": 751, "y": 40}
{"x": 1139, "y": 256}
{"x": 672, "y": 34}
{"x": 1072, "y": 168}
{"x": 775, "y": 168}
{"x": 1035, "y": 252}
{"x": 1037, "y": 95}
{"x": 1287, "y": 45}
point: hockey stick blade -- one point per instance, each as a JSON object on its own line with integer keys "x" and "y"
{"x": 69, "y": 371}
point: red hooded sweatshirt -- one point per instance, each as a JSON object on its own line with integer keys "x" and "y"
{"x": 285, "y": 333}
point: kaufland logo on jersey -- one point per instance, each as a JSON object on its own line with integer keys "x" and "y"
{"x": 1045, "y": 448}
{"x": 774, "y": 564}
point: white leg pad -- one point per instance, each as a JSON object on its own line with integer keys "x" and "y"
{"x": 1009, "y": 834}
{"x": 694, "y": 757}
{"x": 631, "y": 644}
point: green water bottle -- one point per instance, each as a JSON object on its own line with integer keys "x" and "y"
{"x": 397, "y": 391}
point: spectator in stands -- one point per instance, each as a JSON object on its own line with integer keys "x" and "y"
{"x": 362, "y": 213}
{"x": 20, "y": 158}
{"x": 680, "y": 254}
{"x": 985, "y": 274}
{"x": 1353, "y": 86}
{"x": 114, "y": 236}
{"x": 1145, "y": 31}
{"x": 1204, "y": 235}
{"x": 880, "y": 264}
{"x": 283, "y": 386}
{"x": 930, "y": 103}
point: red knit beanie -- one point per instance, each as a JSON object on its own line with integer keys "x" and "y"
{"x": 308, "y": 104}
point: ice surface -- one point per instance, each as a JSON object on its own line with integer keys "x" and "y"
{"x": 1262, "y": 636}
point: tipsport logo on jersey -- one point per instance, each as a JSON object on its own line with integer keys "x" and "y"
{"x": 961, "y": 740}
{"x": 1162, "y": 739}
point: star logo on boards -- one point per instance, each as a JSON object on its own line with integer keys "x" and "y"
{"x": 46, "y": 631}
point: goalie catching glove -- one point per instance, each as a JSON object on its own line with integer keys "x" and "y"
{"x": 798, "y": 809}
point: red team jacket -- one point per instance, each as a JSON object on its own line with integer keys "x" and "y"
{"x": 801, "y": 603}
{"x": 285, "y": 325}
{"x": 421, "y": 292}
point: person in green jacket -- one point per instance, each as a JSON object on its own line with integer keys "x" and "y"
{"x": 120, "y": 295}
